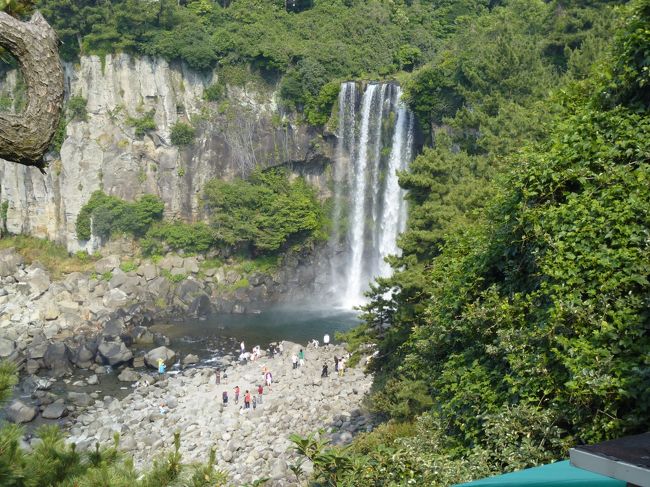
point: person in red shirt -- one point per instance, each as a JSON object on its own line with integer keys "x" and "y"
{"x": 237, "y": 390}
{"x": 247, "y": 400}
{"x": 260, "y": 391}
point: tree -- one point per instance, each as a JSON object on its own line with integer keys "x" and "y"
{"x": 25, "y": 137}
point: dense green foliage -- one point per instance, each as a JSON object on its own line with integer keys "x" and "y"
{"x": 142, "y": 124}
{"x": 189, "y": 237}
{"x": 309, "y": 47}
{"x": 518, "y": 317}
{"x": 182, "y": 134}
{"x": 265, "y": 213}
{"x": 107, "y": 215}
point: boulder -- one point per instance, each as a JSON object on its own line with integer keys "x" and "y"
{"x": 107, "y": 264}
{"x": 128, "y": 375}
{"x": 32, "y": 366}
{"x": 118, "y": 279}
{"x": 164, "y": 353}
{"x": 55, "y": 410}
{"x": 201, "y": 306}
{"x": 115, "y": 298}
{"x": 190, "y": 359}
{"x": 149, "y": 271}
{"x": 188, "y": 290}
{"x": 7, "y": 347}
{"x": 51, "y": 312}
{"x": 113, "y": 327}
{"x": 191, "y": 265}
{"x": 83, "y": 355}
{"x": 19, "y": 412}
{"x": 113, "y": 351}
{"x": 79, "y": 398}
{"x": 93, "y": 380}
{"x": 56, "y": 359}
{"x": 142, "y": 336}
{"x": 38, "y": 280}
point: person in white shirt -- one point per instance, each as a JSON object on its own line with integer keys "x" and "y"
{"x": 326, "y": 340}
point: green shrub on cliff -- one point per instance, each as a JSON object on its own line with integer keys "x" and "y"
{"x": 182, "y": 134}
{"x": 110, "y": 214}
{"x": 265, "y": 213}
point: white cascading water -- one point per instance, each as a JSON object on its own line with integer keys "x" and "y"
{"x": 374, "y": 143}
{"x": 358, "y": 196}
{"x": 393, "y": 221}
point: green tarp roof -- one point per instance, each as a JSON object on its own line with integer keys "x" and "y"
{"x": 553, "y": 475}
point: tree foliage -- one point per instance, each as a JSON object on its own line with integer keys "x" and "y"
{"x": 265, "y": 213}
{"x": 519, "y": 304}
{"x": 106, "y": 215}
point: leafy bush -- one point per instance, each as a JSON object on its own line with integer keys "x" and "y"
{"x": 77, "y": 108}
{"x": 128, "y": 266}
{"x": 182, "y": 134}
{"x": 110, "y": 214}
{"x": 266, "y": 213}
{"x": 214, "y": 92}
{"x": 189, "y": 237}
{"x": 142, "y": 124}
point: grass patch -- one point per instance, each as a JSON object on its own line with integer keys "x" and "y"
{"x": 128, "y": 266}
{"x": 54, "y": 257}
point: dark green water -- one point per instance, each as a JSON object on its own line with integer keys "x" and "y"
{"x": 221, "y": 334}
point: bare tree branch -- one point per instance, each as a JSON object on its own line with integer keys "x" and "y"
{"x": 25, "y": 137}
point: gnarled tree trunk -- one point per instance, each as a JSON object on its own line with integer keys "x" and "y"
{"x": 25, "y": 137}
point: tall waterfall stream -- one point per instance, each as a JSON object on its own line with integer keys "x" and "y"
{"x": 375, "y": 141}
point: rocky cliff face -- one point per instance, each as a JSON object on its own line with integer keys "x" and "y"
{"x": 103, "y": 152}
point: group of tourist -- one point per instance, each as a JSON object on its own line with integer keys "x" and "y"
{"x": 298, "y": 360}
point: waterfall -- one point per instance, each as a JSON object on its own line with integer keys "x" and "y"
{"x": 375, "y": 141}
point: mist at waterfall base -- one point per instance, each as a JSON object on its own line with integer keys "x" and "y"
{"x": 375, "y": 140}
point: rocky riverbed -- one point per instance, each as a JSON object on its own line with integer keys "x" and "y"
{"x": 250, "y": 444}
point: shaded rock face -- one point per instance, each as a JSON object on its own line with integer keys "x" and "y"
{"x": 103, "y": 152}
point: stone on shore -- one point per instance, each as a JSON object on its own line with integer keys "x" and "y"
{"x": 19, "y": 412}
{"x": 164, "y": 353}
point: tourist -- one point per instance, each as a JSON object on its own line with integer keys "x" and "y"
{"x": 314, "y": 343}
{"x": 218, "y": 376}
{"x": 294, "y": 361}
{"x": 163, "y": 408}
{"x": 324, "y": 372}
{"x": 280, "y": 349}
{"x": 269, "y": 379}
{"x": 161, "y": 367}
{"x": 341, "y": 367}
{"x": 224, "y": 396}
{"x": 242, "y": 346}
{"x": 326, "y": 340}
{"x": 247, "y": 400}
{"x": 254, "y": 402}
{"x": 336, "y": 364}
{"x": 237, "y": 389}
{"x": 301, "y": 357}
{"x": 260, "y": 391}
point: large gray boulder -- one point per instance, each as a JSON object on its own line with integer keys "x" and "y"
{"x": 107, "y": 264}
{"x": 7, "y": 347}
{"x": 149, "y": 271}
{"x": 38, "y": 280}
{"x": 128, "y": 375}
{"x": 56, "y": 359}
{"x": 55, "y": 410}
{"x": 79, "y": 398}
{"x": 115, "y": 298}
{"x": 113, "y": 351}
{"x": 9, "y": 262}
{"x": 151, "y": 358}
{"x": 19, "y": 412}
